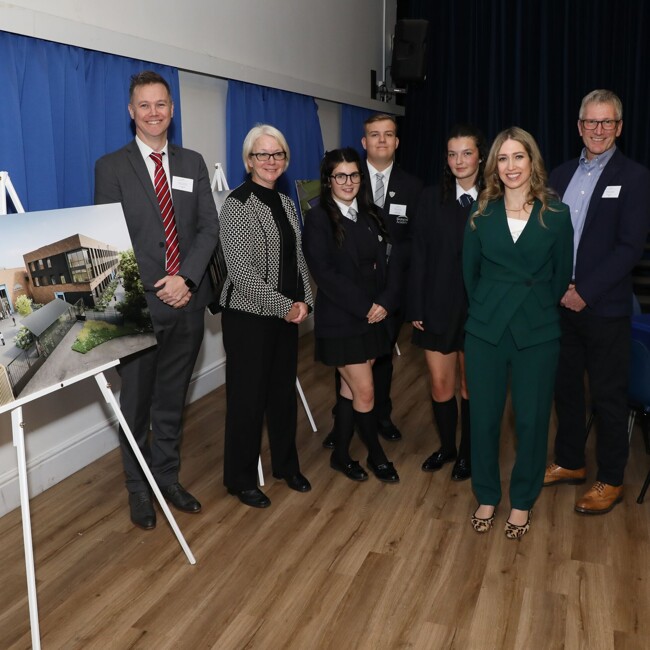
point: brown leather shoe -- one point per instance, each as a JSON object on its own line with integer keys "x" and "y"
{"x": 555, "y": 474}
{"x": 599, "y": 499}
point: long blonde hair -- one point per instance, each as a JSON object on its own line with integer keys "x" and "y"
{"x": 494, "y": 186}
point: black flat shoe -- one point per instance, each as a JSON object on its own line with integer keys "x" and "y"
{"x": 180, "y": 498}
{"x": 254, "y": 498}
{"x": 328, "y": 441}
{"x": 352, "y": 470}
{"x": 384, "y": 472}
{"x": 296, "y": 482}
{"x": 142, "y": 513}
{"x": 462, "y": 470}
{"x": 437, "y": 460}
{"x": 388, "y": 431}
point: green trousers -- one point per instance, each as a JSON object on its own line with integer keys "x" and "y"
{"x": 531, "y": 372}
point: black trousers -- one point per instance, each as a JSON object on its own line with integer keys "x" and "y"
{"x": 601, "y": 347}
{"x": 261, "y": 365}
{"x": 382, "y": 371}
{"x": 154, "y": 388}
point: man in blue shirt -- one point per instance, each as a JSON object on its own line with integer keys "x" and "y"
{"x": 609, "y": 197}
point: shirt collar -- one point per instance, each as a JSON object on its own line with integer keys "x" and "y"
{"x": 344, "y": 208}
{"x": 385, "y": 172}
{"x": 600, "y": 161}
{"x": 146, "y": 150}
{"x": 472, "y": 191}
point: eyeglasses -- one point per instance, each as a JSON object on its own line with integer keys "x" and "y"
{"x": 264, "y": 157}
{"x": 592, "y": 125}
{"x": 342, "y": 179}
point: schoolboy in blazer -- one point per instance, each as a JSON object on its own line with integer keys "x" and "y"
{"x": 399, "y": 205}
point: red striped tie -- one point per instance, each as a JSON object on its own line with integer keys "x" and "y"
{"x": 172, "y": 253}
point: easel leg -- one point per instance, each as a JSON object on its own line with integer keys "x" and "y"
{"x": 19, "y": 444}
{"x": 104, "y": 387}
{"x": 304, "y": 403}
{"x": 260, "y": 471}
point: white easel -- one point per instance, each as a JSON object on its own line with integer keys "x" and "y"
{"x": 219, "y": 184}
{"x": 18, "y": 434}
{"x": 7, "y": 187}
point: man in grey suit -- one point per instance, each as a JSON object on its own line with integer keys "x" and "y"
{"x": 174, "y": 230}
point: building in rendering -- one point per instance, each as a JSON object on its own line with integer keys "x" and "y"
{"x": 71, "y": 268}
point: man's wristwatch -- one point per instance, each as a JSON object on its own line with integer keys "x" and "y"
{"x": 188, "y": 283}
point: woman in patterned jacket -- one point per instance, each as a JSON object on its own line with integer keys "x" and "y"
{"x": 265, "y": 296}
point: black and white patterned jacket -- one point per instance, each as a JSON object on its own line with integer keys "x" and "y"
{"x": 251, "y": 247}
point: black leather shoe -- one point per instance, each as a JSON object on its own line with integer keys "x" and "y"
{"x": 462, "y": 470}
{"x": 296, "y": 482}
{"x": 384, "y": 472}
{"x": 388, "y": 431}
{"x": 180, "y": 498}
{"x": 254, "y": 498}
{"x": 352, "y": 470}
{"x": 142, "y": 513}
{"x": 437, "y": 460}
{"x": 328, "y": 441}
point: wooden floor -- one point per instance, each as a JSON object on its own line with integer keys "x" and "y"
{"x": 346, "y": 565}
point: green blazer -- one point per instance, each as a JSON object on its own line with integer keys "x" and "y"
{"x": 517, "y": 285}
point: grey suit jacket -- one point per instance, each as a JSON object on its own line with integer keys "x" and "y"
{"x": 122, "y": 177}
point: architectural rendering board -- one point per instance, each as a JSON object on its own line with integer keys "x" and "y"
{"x": 70, "y": 300}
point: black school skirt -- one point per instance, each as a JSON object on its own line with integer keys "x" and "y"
{"x": 346, "y": 350}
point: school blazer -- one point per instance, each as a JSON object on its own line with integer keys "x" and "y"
{"x": 342, "y": 304}
{"x": 435, "y": 290}
{"x": 614, "y": 234}
{"x": 517, "y": 285}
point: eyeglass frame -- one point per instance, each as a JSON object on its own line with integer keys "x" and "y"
{"x": 348, "y": 177}
{"x": 602, "y": 124}
{"x": 282, "y": 156}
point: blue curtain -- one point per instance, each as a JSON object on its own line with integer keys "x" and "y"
{"x": 295, "y": 115}
{"x": 352, "y": 119}
{"x": 62, "y": 108}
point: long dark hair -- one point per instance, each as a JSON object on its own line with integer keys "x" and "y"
{"x": 330, "y": 161}
{"x": 448, "y": 178}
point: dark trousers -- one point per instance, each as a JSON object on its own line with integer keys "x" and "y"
{"x": 261, "y": 365}
{"x": 531, "y": 371}
{"x": 154, "y": 388}
{"x": 601, "y": 347}
{"x": 382, "y": 372}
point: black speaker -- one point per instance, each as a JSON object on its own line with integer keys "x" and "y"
{"x": 409, "y": 50}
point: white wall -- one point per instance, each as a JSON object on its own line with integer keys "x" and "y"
{"x": 323, "y": 49}
{"x": 271, "y": 42}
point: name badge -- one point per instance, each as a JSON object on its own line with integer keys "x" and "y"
{"x": 612, "y": 192}
{"x": 398, "y": 209}
{"x": 183, "y": 184}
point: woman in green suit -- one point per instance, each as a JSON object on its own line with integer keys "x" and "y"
{"x": 517, "y": 261}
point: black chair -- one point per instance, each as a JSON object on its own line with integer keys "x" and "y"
{"x": 639, "y": 397}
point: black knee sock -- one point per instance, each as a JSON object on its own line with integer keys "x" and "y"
{"x": 464, "y": 450}
{"x": 367, "y": 426}
{"x": 445, "y": 415}
{"x": 343, "y": 429}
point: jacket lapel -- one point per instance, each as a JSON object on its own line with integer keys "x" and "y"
{"x": 140, "y": 168}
